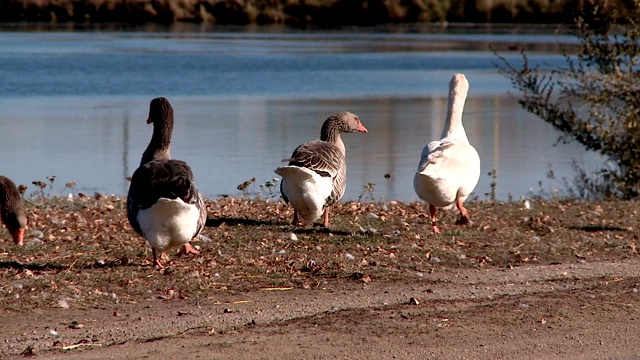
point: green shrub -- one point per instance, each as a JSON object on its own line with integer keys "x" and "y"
{"x": 595, "y": 98}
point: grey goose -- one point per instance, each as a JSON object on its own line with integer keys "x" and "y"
{"x": 12, "y": 211}
{"x": 316, "y": 175}
{"x": 164, "y": 205}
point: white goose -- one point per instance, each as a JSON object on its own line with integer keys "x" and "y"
{"x": 449, "y": 168}
{"x": 164, "y": 205}
{"x": 317, "y": 172}
{"x": 12, "y": 212}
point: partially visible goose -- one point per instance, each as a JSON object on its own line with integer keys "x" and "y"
{"x": 449, "y": 168}
{"x": 164, "y": 205}
{"x": 12, "y": 210}
{"x": 317, "y": 172}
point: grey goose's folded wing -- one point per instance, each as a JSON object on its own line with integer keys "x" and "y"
{"x": 171, "y": 179}
{"x": 322, "y": 157}
{"x": 326, "y": 159}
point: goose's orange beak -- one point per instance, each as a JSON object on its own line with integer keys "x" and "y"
{"x": 18, "y": 237}
{"x": 361, "y": 127}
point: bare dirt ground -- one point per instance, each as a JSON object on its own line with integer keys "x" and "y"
{"x": 550, "y": 280}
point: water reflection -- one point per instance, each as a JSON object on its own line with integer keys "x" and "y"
{"x": 74, "y": 105}
{"x": 228, "y": 142}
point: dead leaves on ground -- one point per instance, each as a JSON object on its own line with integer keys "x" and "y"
{"x": 83, "y": 249}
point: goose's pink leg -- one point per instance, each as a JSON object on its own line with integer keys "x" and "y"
{"x": 325, "y": 217}
{"x": 156, "y": 261}
{"x": 188, "y": 249}
{"x": 295, "y": 221}
{"x": 432, "y": 211}
{"x": 464, "y": 215}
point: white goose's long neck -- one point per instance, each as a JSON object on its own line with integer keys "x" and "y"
{"x": 458, "y": 88}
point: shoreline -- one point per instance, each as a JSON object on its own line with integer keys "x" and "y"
{"x": 303, "y": 14}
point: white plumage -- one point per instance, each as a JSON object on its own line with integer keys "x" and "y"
{"x": 306, "y": 190}
{"x": 449, "y": 168}
{"x": 169, "y": 223}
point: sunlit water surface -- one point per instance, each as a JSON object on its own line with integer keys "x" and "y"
{"x": 74, "y": 105}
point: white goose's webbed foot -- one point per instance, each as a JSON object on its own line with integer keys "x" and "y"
{"x": 464, "y": 215}
{"x": 434, "y": 220}
{"x": 464, "y": 220}
{"x": 188, "y": 249}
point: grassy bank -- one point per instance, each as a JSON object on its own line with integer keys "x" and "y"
{"x": 84, "y": 248}
{"x": 288, "y": 12}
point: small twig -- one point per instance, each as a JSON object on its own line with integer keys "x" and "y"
{"x": 71, "y": 266}
{"x": 241, "y": 302}
{"x": 278, "y": 289}
{"x": 71, "y": 347}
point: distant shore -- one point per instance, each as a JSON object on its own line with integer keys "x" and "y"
{"x": 297, "y": 13}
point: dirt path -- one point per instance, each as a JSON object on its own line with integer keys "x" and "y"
{"x": 579, "y": 311}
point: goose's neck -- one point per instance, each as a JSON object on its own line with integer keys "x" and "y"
{"x": 159, "y": 147}
{"x": 331, "y": 133}
{"x": 453, "y": 123}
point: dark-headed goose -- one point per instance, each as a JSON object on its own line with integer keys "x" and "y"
{"x": 449, "y": 168}
{"x": 163, "y": 205}
{"x": 12, "y": 210}
{"x": 317, "y": 172}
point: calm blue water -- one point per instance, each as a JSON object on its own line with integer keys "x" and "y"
{"x": 74, "y": 105}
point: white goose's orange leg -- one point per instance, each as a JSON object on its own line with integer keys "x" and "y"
{"x": 325, "y": 217}
{"x": 432, "y": 211}
{"x": 464, "y": 215}
{"x": 188, "y": 249}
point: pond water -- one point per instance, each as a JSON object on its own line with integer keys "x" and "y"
{"x": 74, "y": 103}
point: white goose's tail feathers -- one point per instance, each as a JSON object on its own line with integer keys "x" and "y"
{"x": 306, "y": 190}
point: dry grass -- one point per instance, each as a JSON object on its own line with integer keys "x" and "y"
{"x": 84, "y": 251}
